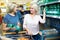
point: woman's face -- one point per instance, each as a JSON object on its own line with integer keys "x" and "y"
{"x": 15, "y": 9}
{"x": 32, "y": 10}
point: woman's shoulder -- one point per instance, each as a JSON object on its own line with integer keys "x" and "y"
{"x": 26, "y": 15}
{"x": 6, "y": 15}
{"x": 38, "y": 15}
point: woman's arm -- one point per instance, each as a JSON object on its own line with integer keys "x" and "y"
{"x": 4, "y": 27}
{"x": 25, "y": 26}
{"x": 4, "y": 23}
{"x": 25, "y": 23}
{"x": 43, "y": 20}
{"x": 44, "y": 15}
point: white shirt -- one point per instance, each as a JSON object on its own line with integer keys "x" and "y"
{"x": 32, "y": 23}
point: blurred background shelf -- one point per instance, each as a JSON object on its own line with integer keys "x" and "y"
{"x": 47, "y": 2}
{"x": 51, "y": 16}
{"x": 56, "y": 2}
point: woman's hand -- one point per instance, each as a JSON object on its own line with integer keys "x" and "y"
{"x": 6, "y": 29}
{"x": 29, "y": 32}
{"x": 19, "y": 24}
{"x": 13, "y": 28}
{"x": 40, "y": 33}
{"x": 44, "y": 15}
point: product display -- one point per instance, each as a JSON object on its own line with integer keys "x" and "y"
{"x": 18, "y": 28}
{"x": 14, "y": 26}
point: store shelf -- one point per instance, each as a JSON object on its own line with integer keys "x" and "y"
{"x": 50, "y": 3}
{"x": 54, "y": 16}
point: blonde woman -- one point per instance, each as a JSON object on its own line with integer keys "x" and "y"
{"x": 11, "y": 19}
{"x": 31, "y": 22}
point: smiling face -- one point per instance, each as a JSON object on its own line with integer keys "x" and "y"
{"x": 15, "y": 8}
{"x": 32, "y": 10}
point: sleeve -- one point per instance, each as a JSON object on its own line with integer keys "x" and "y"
{"x": 19, "y": 14}
{"x": 25, "y": 22}
{"x": 41, "y": 20}
{"x": 20, "y": 17}
{"x": 5, "y": 20}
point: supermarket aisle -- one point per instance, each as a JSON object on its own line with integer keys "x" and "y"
{"x": 50, "y": 30}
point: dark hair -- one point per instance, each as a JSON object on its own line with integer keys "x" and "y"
{"x": 20, "y": 6}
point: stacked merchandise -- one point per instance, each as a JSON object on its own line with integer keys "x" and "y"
{"x": 46, "y": 1}
{"x": 52, "y": 9}
{"x": 49, "y": 32}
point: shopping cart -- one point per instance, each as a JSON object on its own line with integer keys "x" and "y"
{"x": 25, "y": 37}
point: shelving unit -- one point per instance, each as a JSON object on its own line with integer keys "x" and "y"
{"x": 55, "y": 10}
{"x": 56, "y": 2}
{"x": 52, "y": 16}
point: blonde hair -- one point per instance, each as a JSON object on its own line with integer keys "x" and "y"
{"x": 11, "y": 7}
{"x": 36, "y": 7}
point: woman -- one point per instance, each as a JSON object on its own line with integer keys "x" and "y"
{"x": 11, "y": 20}
{"x": 19, "y": 13}
{"x": 31, "y": 22}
